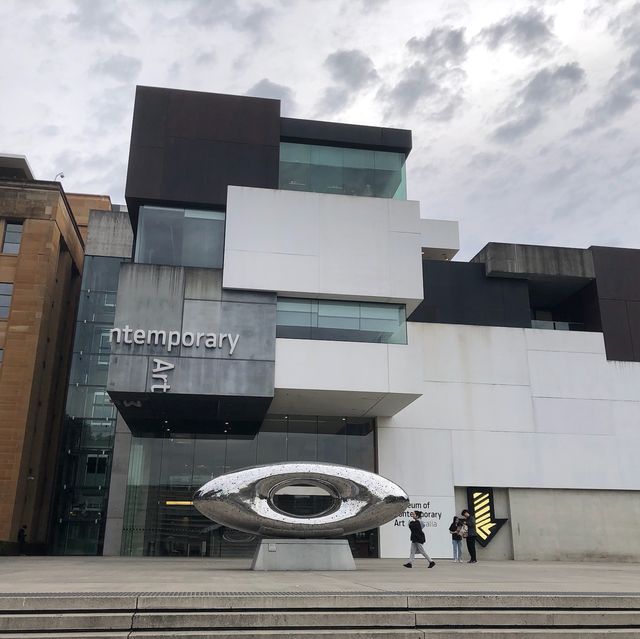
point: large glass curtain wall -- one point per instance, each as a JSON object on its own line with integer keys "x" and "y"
{"x": 165, "y": 471}
{"x": 180, "y": 237}
{"x": 89, "y": 423}
{"x": 342, "y": 171}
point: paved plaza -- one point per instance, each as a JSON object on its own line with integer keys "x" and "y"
{"x": 128, "y": 575}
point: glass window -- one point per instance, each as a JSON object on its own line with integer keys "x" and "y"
{"x": 101, "y": 273}
{"x": 272, "y": 441}
{"x": 164, "y": 472}
{"x": 341, "y": 321}
{"x": 6, "y": 292}
{"x": 12, "y": 238}
{"x": 302, "y": 438}
{"x": 332, "y": 441}
{"x": 342, "y": 171}
{"x": 1, "y": 355}
{"x": 180, "y": 237}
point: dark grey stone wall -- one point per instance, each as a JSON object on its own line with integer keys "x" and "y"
{"x": 221, "y": 382}
{"x": 523, "y": 260}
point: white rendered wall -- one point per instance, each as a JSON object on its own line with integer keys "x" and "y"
{"x": 346, "y": 378}
{"x": 328, "y": 246}
{"x": 508, "y": 407}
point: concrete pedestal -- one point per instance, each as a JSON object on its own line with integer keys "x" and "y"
{"x": 303, "y": 554}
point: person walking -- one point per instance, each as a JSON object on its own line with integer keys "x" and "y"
{"x": 456, "y": 539}
{"x": 22, "y": 540}
{"x": 417, "y": 539}
{"x": 470, "y": 523}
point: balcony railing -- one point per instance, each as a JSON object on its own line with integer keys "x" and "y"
{"x": 557, "y": 326}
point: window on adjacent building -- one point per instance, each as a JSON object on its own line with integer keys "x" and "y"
{"x": 180, "y": 237}
{"x": 342, "y": 171}
{"x": 6, "y": 292}
{"x": 340, "y": 320}
{"x": 1, "y": 355}
{"x": 12, "y": 238}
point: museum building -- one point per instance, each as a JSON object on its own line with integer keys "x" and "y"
{"x": 269, "y": 293}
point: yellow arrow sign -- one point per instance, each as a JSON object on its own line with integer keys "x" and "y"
{"x": 482, "y": 509}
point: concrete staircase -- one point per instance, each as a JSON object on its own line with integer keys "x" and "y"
{"x": 296, "y": 615}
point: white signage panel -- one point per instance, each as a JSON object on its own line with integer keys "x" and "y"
{"x": 437, "y": 514}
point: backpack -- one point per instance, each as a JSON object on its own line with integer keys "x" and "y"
{"x": 464, "y": 530}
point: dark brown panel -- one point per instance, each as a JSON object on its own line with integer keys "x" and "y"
{"x": 187, "y": 147}
{"x": 349, "y": 135}
{"x": 617, "y": 272}
{"x": 618, "y": 280}
{"x": 461, "y": 293}
{"x": 633, "y": 311}
{"x": 616, "y": 331}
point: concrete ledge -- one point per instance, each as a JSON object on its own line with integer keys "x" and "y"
{"x": 67, "y": 621}
{"x": 267, "y": 601}
{"x": 282, "y": 619}
{"x": 535, "y": 618}
{"x": 523, "y": 600}
{"x": 303, "y": 554}
{"x": 346, "y": 633}
{"x": 76, "y": 601}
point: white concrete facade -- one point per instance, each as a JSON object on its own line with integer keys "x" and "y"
{"x": 512, "y": 408}
{"x": 325, "y": 246}
{"x": 458, "y": 406}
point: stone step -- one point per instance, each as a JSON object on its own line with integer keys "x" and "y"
{"x": 280, "y": 619}
{"x": 352, "y": 633}
{"x": 313, "y": 601}
{"x": 198, "y": 620}
{"x": 55, "y": 621}
{"x": 536, "y": 618}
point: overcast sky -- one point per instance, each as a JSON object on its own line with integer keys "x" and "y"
{"x": 525, "y": 114}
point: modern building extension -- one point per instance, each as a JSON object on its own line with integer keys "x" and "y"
{"x": 269, "y": 293}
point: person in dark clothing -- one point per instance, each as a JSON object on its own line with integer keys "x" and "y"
{"x": 22, "y": 540}
{"x": 417, "y": 539}
{"x": 456, "y": 539}
{"x": 471, "y": 535}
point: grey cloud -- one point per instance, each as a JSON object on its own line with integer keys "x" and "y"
{"x": 529, "y": 33}
{"x": 622, "y": 93}
{"x": 435, "y": 83}
{"x": 369, "y": 6}
{"x": 334, "y": 99}
{"x": 352, "y": 68}
{"x": 49, "y": 130}
{"x": 267, "y": 89}
{"x": 443, "y": 46}
{"x": 626, "y": 25}
{"x": 110, "y": 108}
{"x": 351, "y": 71}
{"x": 123, "y": 68}
{"x": 100, "y": 18}
{"x": 548, "y": 87}
{"x": 208, "y": 14}
{"x": 205, "y": 58}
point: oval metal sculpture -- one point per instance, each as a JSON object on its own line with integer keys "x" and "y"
{"x": 246, "y": 500}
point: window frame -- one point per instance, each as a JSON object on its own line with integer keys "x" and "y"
{"x": 5, "y": 231}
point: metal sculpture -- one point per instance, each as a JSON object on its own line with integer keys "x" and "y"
{"x": 245, "y": 500}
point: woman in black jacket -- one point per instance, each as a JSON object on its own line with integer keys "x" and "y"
{"x": 417, "y": 539}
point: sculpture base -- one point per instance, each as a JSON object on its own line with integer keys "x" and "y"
{"x": 303, "y": 554}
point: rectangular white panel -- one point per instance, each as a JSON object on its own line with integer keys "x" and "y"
{"x": 319, "y": 245}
